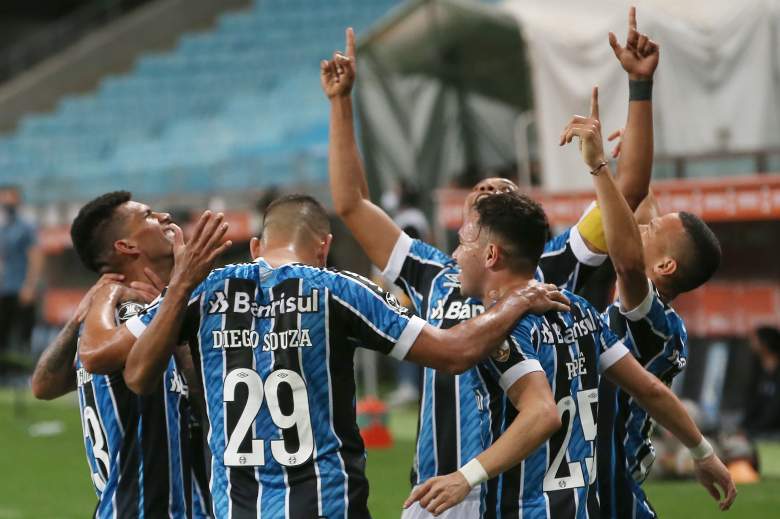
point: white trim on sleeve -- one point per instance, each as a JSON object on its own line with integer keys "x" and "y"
{"x": 582, "y": 252}
{"x": 641, "y": 311}
{"x": 136, "y": 326}
{"x": 613, "y": 354}
{"x": 397, "y": 258}
{"x": 518, "y": 371}
{"x": 407, "y": 338}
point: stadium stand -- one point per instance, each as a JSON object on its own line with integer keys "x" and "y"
{"x": 229, "y": 109}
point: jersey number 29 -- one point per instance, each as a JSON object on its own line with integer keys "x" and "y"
{"x": 299, "y": 418}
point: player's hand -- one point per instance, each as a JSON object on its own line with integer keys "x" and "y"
{"x": 639, "y": 56}
{"x": 588, "y": 130}
{"x": 617, "y": 134}
{"x": 337, "y": 76}
{"x": 195, "y": 259}
{"x": 440, "y": 493}
{"x": 106, "y": 279}
{"x": 544, "y": 297}
{"x": 712, "y": 473}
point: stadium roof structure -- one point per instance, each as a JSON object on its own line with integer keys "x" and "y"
{"x": 450, "y": 85}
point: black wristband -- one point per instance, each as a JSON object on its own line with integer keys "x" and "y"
{"x": 640, "y": 90}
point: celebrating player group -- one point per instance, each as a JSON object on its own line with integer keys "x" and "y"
{"x": 229, "y": 392}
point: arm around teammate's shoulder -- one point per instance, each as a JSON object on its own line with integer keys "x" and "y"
{"x": 461, "y": 347}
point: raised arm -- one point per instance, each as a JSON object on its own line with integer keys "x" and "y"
{"x": 149, "y": 356}
{"x": 372, "y": 227}
{"x": 667, "y": 410}
{"x": 621, "y": 232}
{"x": 459, "y": 348}
{"x": 639, "y": 58}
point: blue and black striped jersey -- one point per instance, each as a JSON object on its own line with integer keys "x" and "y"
{"x": 461, "y": 415}
{"x": 137, "y": 446}
{"x": 572, "y": 348}
{"x": 656, "y": 336}
{"x": 275, "y": 350}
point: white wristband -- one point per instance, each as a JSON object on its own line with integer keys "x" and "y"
{"x": 474, "y": 473}
{"x": 702, "y": 450}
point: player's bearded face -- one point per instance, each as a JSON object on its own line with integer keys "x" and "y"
{"x": 470, "y": 256}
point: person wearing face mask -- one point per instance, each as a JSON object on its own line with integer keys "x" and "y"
{"x": 21, "y": 264}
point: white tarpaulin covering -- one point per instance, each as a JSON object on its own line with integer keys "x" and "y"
{"x": 717, "y": 86}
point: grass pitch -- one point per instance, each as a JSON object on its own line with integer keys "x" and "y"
{"x": 43, "y": 473}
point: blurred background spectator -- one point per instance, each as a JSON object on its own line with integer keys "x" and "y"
{"x": 21, "y": 265}
{"x": 762, "y": 406}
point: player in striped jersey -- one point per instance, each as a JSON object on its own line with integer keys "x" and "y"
{"x": 138, "y": 448}
{"x": 558, "y": 479}
{"x": 654, "y": 263}
{"x": 459, "y": 415}
{"x": 274, "y": 340}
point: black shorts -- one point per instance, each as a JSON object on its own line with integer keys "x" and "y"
{"x": 16, "y": 322}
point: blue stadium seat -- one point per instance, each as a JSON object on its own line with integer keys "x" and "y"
{"x": 235, "y": 108}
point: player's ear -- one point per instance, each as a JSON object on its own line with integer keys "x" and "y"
{"x": 255, "y": 248}
{"x": 492, "y": 255}
{"x": 324, "y": 250}
{"x": 666, "y": 266}
{"x": 126, "y": 248}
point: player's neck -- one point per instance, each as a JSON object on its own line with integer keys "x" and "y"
{"x": 277, "y": 256}
{"x": 134, "y": 271}
{"x": 500, "y": 282}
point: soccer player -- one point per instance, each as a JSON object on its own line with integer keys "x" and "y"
{"x": 654, "y": 263}
{"x": 138, "y": 448}
{"x": 459, "y": 415}
{"x": 499, "y": 247}
{"x": 275, "y": 340}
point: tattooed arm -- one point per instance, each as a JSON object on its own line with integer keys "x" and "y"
{"x": 55, "y": 372}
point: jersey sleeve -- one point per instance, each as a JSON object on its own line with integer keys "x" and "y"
{"x": 654, "y": 333}
{"x": 373, "y": 316}
{"x": 567, "y": 261}
{"x": 413, "y": 266}
{"x": 516, "y": 357}
{"x": 611, "y": 348}
{"x": 138, "y": 322}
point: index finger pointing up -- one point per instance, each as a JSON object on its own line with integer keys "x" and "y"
{"x": 632, "y": 17}
{"x": 594, "y": 103}
{"x": 350, "y": 43}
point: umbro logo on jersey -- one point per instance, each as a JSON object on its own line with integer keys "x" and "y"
{"x": 243, "y": 302}
{"x": 178, "y": 385}
{"x": 219, "y": 304}
{"x": 457, "y": 310}
{"x": 82, "y": 377}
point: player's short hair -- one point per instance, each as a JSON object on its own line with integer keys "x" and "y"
{"x": 520, "y": 223}
{"x": 700, "y": 257}
{"x": 769, "y": 336}
{"x": 297, "y": 212}
{"x": 94, "y": 229}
